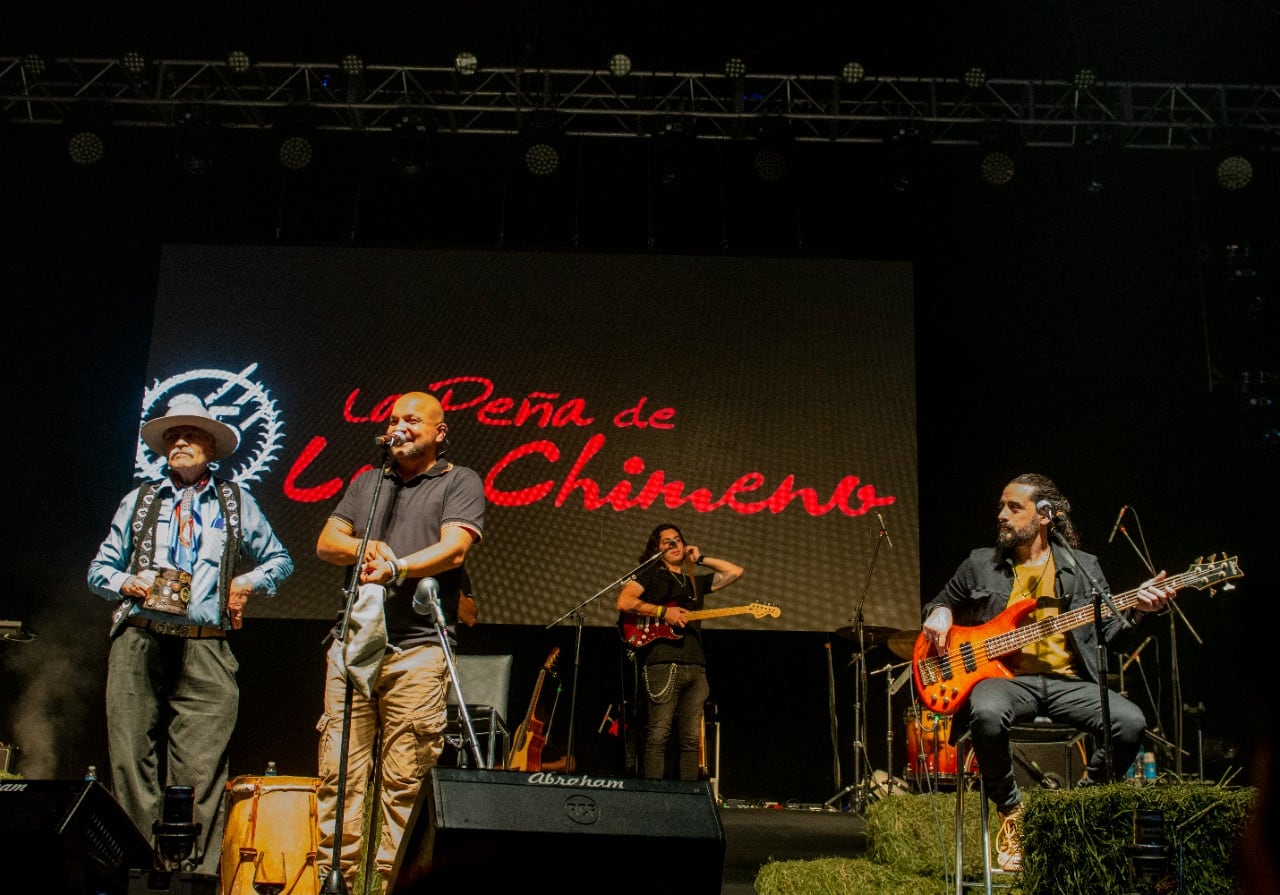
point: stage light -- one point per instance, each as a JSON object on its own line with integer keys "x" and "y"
{"x": 853, "y": 73}
{"x": 133, "y": 63}
{"x": 541, "y": 159}
{"x": 773, "y": 144}
{"x": 33, "y": 65}
{"x": 619, "y": 65}
{"x": 735, "y": 68}
{"x": 905, "y": 149}
{"x": 296, "y": 152}
{"x": 997, "y": 155}
{"x": 1234, "y": 159}
{"x": 975, "y": 77}
{"x": 411, "y": 147}
{"x": 996, "y": 167}
{"x": 238, "y": 62}
{"x": 86, "y": 147}
{"x": 541, "y": 139}
{"x": 352, "y": 65}
{"x": 1084, "y": 79}
{"x": 466, "y": 63}
{"x": 194, "y": 149}
{"x": 1233, "y": 172}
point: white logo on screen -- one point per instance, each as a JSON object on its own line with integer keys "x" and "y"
{"x": 233, "y": 398}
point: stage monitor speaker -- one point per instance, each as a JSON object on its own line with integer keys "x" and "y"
{"x": 1051, "y": 765}
{"x": 70, "y": 836}
{"x": 569, "y": 832}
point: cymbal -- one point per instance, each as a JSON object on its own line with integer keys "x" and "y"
{"x": 872, "y": 635}
{"x": 903, "y": 643}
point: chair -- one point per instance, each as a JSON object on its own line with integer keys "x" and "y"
{"x": 484, "y": 682}
{"x": 1041, "y": 730}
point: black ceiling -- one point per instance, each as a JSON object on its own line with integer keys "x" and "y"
{"x": 1226, "y": 41}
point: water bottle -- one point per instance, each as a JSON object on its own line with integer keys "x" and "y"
{"x": 271, "y": 769}
{"x": 1148, "y": 768}
{"x": 91, "y": 774}
{"x": 1132, "y": 774}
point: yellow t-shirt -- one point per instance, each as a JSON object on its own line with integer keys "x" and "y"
{"x": 1053, "y": 654}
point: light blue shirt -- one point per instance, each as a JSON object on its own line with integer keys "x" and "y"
{"x": 272, "y": 564}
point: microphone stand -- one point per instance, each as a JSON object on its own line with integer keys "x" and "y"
{"x": 1100, "y": 595}
{"x": 860, "y": 686}
{"x": 437, "y": 611}
{"x": 1175, "y": 672}
{"x": 578, "y": 615}
{"x": 334, "y": 884}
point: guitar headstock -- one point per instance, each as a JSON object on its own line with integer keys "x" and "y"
{"x": 1205, "y": 573}
{"x": 760, "y": 610}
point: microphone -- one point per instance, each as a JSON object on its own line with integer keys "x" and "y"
{"x": 884, "y": 531}
{"x": 1044, "y": 508}
{"x": 395, "y": 439}
{"x": 1115, "y": 528}
{"x": 1133, "y": 656}
{"x": 425, "y": 596}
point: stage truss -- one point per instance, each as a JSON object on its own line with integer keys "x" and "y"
{"x": 597, "y": 104}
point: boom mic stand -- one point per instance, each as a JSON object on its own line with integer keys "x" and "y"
{"x": 428, "y": 593}
{"x": 1100, "y": 596}
{"x": 578, "y": 617}
{"x": 1175, "y": 672}
{"x": 859, "y": 786}
{"x": 334, "y": 884}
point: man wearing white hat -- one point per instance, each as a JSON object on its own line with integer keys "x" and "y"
{"x": 181, "y": 560}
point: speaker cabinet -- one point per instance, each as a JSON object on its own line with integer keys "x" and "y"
{"x": 70, "y": 835}
{"x": 563, "y": 831}
{"x": 1049, "y": 765}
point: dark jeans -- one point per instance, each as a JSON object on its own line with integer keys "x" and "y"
{"x": 998, "y": 703}
{"x": 674, "y": 692}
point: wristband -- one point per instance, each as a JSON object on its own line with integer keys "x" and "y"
{"x": 662, "y": 610}
{"x": 701, "y": 558}
{"x": 402, "y": 569}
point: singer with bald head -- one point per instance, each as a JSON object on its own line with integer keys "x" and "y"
{"x": 1036, "y": 558}
{"x": 429, "y": 514}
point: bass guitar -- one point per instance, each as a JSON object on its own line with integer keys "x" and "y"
{"x": 972, "y": 654}
{"x": 531, "y": 736}
{"x": 641, "y": 630}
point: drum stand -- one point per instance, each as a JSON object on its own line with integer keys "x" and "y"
{"x": 861, "y": 782}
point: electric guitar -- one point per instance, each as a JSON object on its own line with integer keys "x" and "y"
{"x": 972, "y": 654}
{"x": 530, "y": 736}
{"x": 641, "y": 630}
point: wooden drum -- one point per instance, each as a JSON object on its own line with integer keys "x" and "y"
{"x": 271, "y": 835}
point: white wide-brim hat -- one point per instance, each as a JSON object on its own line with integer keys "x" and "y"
{"x": 188, "y": 410}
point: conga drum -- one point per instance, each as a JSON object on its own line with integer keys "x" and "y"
{"x": 269, "y": 844}
{"x": 929, "y": 754}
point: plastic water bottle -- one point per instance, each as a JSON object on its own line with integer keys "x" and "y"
{"x": 271, "y": 769}
{"x": 1148, "y": 768}
{"x": 91, "y": 774}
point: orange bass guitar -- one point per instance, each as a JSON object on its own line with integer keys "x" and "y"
{"x": 972, "y": 654}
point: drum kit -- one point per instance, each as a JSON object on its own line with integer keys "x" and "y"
{"x": 931, "y": 756}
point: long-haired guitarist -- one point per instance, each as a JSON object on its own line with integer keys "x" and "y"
{"x": 1054, "y": 677}
{"x": 673, "y": 671}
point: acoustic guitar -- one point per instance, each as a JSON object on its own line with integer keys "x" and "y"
{"x": 641, "y": 630}
{"x": 531, "y": 735}
{"x": 973, "y": 654}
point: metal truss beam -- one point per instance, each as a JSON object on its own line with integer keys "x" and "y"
{"x": 596, "y": 104}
